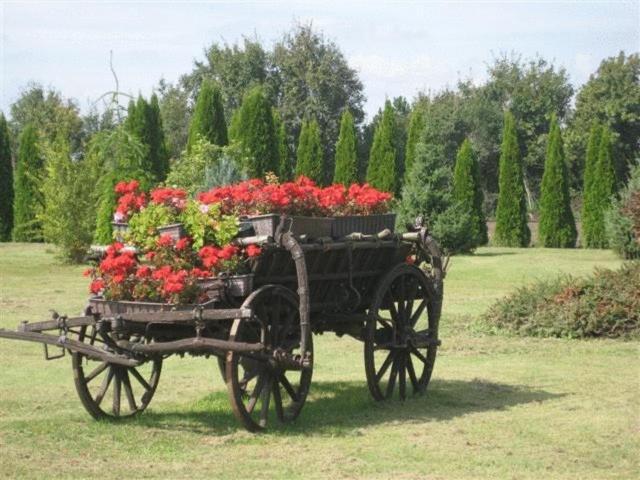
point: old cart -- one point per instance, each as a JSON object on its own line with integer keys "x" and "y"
{"x": 358, "y": 285}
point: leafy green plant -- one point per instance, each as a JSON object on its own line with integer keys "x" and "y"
{"x": 143, "y": 225}
{"x": 205, "y": 225}
{"x": 623, "y": 219}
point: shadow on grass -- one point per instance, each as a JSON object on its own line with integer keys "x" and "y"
{"x": 341, "y": 408}
{"x": 491, "y": 254}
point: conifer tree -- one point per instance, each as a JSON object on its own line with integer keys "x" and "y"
{"x": 310, "y": 155}
{"x": 467, "y": 191}
{"x": 346, "y": 152}
{"x": 6, "y": 182}
{"x": 416, "y": 125}
{"x": 381, "y": 171}
{"x": 284, "y": 170}
{"x": 511, "y": 215}
{"x": 255, "y": 130}
{"x": 208, "y": 117}
{"x": 157, "y": 144}
{"x": 557, "y": 227}
{"x": 603, "y": 187}
{"x": 28, "y": 198}
{"x": 589, "y": 217}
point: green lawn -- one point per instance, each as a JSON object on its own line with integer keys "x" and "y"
{"x": 497, "y": 407}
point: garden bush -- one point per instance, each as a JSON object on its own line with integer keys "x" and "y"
{"x": 606, "y": 304}
{"x": 623, "y": 219}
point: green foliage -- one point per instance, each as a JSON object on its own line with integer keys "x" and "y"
{"x": 117, "y": 155}
{"x": 143, "y": 225}
{"x": 27, "y": 194}
{"x": 207, "y": 165}
{"x": 557, "y": 226}
{"x": 285, "y": 170}
{"x": 176, "y": 114}
{"x": 427, "y": 191}
{"x": 511, "y": 215}
{"x": 623, "y": 219}
{"x": 416, "y": 126}
{"x": 6, "y": 182}
{"x": 69, "y": 215}
{"x": 381, "y": 172}
{"x": 612, "y": 98}
{"x": 206, "y": 226}
{"x": 452, "y": 230}
{"x": 310, "y": 156}
{"x": 590, "y": 201}
{"x": 254, "y": 129}
{"x": 208, "y": 119}
{"x": 604, "y": 305}
{"x": 467, "y": 192}
{"x": 346, "y": 171}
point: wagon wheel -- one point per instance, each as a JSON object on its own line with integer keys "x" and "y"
{"x": 253, "y": 382}
{"x": 100, "y": 383}
{"x": 399, "y": 343}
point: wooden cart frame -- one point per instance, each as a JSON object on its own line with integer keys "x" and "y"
{"x": 359, "y": 285}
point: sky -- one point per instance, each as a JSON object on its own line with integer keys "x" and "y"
{"x": 398, "y": 48}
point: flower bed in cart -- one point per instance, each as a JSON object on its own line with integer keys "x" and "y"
{"x": 173, "y": 252}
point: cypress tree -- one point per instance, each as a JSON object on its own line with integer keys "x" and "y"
{"x": 589, "y": 194}
{"x": 511, "y": 215}
{"x": 6, "y": 183}
{"x": 208, "y": 117}
{"x": 346, "y": 153}
{"x": 603, "y": 189}
{"x": 467, "y": 191}
{"x": 255, "y": 130}
{"x": 157, "y": 144}
{"x": 309, "y": 155}
{"x": 381, "y": 172}
{"x": 28, "y": 198}
{"x": 284, "y": 170}
{"x": 416, "y": 125}
{"x": 557, "y": 226}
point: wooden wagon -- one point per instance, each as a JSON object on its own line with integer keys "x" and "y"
{"x": 357, "y": 285}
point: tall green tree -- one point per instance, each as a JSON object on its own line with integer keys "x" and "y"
{"x": 416, "y": 126}
{"x": 157, "y": 143}
{"x": 603, "y": 190}
{"x": 467, "y": 191}
{"x": 310, "y": 155}
{"x": 557, "y": 227}
{"x": 28, "y": 197}
{"x": 591, "y": 236}
{"x": 611, "y": 97}
{"x": 6, "y": 182}
{"x": 253, "y": 127}
{"x": 285, "y": 168}
{"x": 208, "y": 119}
{"x": 176, "y": 112}
{"x": 346, "y": 171}
{"x": 511, "y": 215}
{"x": 381, "y": 172}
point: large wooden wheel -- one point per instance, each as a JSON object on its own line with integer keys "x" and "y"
{"x": 273, "y": 387}
{"x": 400, "y": 341}
{"x": 112, "y": 391}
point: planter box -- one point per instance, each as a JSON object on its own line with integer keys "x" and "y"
{"x": 365, "y": 224}
{"x": 175, "y": 230}
{"x": 235, "y": 286}
{"x": 119, "y": 230}
{"x": 112, "y": 307}
{"x": 313, "y": 227}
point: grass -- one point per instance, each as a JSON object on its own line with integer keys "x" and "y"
{"x": 497, "y": 407}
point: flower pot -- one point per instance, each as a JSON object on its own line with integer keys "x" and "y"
{"x": 176, "y": 231}
{"x": 312, "y": 227}
{"x": 212, "y": 287}
{"x": 239, "y": 285}
{"x": 113, "y": 307}
{"x": 120, "y": 229}
{"x": 365, "y": 224}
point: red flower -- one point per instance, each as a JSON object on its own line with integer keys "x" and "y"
{"x": 143, "y": 271}
{"x": 182, "y": 244}
{"x": 96, "y": 286}
{"x": 88, "y": 272}
{"x": 253, "y": 251}
{"x": 165, "y": 240}
{"x": 200, "y": 273}
{"x": 228, "y": 252}
{"x": 150, "y": 255}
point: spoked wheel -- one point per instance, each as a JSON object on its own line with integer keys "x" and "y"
{"x": 274, "y": 387}
{"x": 112, "y": 391}
{"x": 400, "y": 342}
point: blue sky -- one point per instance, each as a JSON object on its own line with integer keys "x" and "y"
{"x": 398, "y": 47}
